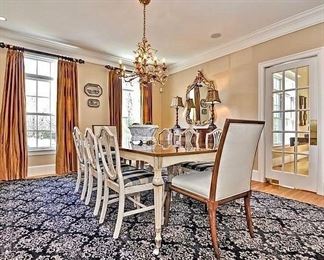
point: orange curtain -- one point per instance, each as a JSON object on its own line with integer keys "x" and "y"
{"x": 13, "y": 136}
{"x": 115, "y": 102}
{"x": 67, "y": 116}
{"x": 147, "y": 103}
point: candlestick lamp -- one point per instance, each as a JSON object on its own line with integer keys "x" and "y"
{"x": 176, "y": 103}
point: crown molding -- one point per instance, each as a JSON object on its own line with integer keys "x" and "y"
{"x": 51, "y": 46}
{"x": 291, "y": 24}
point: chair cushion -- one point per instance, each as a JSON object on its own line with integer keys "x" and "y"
{"x": 136, "y": 177}
{"x": 194, "y": 182}
{"x": 198, "y": 166}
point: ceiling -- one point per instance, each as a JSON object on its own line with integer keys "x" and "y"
{"x": 178, "y": 29}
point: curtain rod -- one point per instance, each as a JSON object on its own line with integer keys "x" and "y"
{"x": 116, "y": 68}
{"x": 8, "y": 46}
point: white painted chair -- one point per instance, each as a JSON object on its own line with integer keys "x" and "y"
{"x": 165, "y": 136}
{"x": 230, "y": 178}
{"x": 126, "y": 183}
{"x": 191, "y": 136}
{"x": 82, "y": 164}
{"x": 215, "y": 136}
{"x": 91, "y": 148}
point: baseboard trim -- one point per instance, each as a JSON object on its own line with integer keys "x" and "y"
{"x": 40, "y": 170}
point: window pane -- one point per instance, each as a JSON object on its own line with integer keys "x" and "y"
{"x": 30, "y": 66}
{"x": 277, "y": 101}
{"x": 30, "y": 87}
{"x": 31, "y": 122}
{"x": 31, "y": 139}
{"x": 44, "y": 88}
{"x": 44, "y": 139}
{"x": 53, "y": 140}
{"x": 290, "y": 100}
{"x": 44, "y": 123}
{"x": 289, "y": 142}
{"x": 277, "y": 81}
{"x": 302, "y": 164}
{"x": 289, "y": 163}
{"x": 30, "y": 104}
{"x": 277, "y": 121}
{"x": 303, "y": 121}
{"x": 303, "y": 99}
{"x": 290, "y": 79}
{"x": 44, "y": 68}
{"x": 53, "y": 124}
{"x": 290, "y": 121}
{"x": 276, "y": 160}
{"x": 277, "y": 141}
{"x": 303, "y": 143}
{"x": 303, "y": 77}
{"x": 43, "y": 105}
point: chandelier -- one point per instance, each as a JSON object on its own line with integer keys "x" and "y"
{"x": 147, "y": 67}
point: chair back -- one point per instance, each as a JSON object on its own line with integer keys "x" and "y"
{"x": 234, "y": 159}
{"x": 79, "y": 144}
{"x": 91, "y": 149}
{"x": 164, "y": 136}
{"x": 191, "y": 137}
{"x": 215, "y": 136}
{"x": 108, "y": 146}
{"x": 97, "y": 128}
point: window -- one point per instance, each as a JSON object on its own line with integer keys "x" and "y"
{"x": 131, "y": 107}
{"x": 40, "y": 76}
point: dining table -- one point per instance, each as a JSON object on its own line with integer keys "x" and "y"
{"x": 159, "y": 156}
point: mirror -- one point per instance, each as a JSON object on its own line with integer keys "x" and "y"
{"x": 197, "y": 110}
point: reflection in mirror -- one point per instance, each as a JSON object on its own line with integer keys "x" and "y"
{"x": 197, "y": 109}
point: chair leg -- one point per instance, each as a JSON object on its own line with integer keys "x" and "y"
{"x": 120, "y": 216}
{"x": 248, "y": 213}
{"x": 99, "y": 195}
{"x": 104, "y": 204}
{"x": 85, "y": 183}
{"x": 212, "y": 207}
{"x": 77, "y": 185}
{"x": 167, "y": 204}
{"x": 90, "y": 187}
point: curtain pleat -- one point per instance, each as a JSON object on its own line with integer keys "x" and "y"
{"x": 115, "y": 102}
{"x": 67, "y": 116}
{"x": 13, "y": 134}
{"x": 147, "y": 103}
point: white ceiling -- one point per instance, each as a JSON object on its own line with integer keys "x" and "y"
{"x": 178, "y": 29}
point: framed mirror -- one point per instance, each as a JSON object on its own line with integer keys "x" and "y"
{"x": 197, "y": 109}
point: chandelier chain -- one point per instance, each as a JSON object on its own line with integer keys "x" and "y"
{"x": 144, "y": 21}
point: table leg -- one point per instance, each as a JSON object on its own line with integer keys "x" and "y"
{"x": 158, "y": 200}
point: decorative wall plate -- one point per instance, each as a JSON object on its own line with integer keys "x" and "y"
{"x": 92, "y": 90}
{"x": 92, "y": 102}
{"x": 203, "y": 103}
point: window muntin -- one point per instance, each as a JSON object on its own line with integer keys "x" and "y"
{"x": 40, "y": 76}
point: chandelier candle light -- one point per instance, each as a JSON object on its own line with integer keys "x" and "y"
{"x": 147, "y": 67}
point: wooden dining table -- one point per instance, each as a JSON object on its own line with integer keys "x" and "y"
{"x": 160, "y": 156}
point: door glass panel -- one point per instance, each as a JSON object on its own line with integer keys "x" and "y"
{"x": 277, "y": 141}
{"x": 303, "y": 121}
{"x": 289, "y": 163}
{"x": 303, "y": 143}
{"x": 290, "y": 100}
{"x": 277, "y": 81}
{"x": 303, "y": 98}
{"x": 277, "y": 121}
{"x": 290, "y": 79}
{"x": 302, "y": 164}
{"x": 290, "y": 121}
{"x": 303, "y": 77}
{"x": 276, "y": 160}
{"x": 277, "y": 101}
{"x": 289, "y": 142}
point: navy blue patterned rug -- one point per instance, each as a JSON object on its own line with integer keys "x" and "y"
{"x": 44, "y": 219}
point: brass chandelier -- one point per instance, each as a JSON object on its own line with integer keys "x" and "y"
{"x": 147, "y": 67}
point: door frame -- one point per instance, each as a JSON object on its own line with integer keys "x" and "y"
{"x": 318, "y": 53}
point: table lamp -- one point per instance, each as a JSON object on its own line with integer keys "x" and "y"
{"x": 176, "y": 103}
{"x": 212, "y": 98}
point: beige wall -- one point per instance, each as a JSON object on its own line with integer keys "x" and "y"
{"x": 87, "y": 73}
{"x": 236, "y": 76}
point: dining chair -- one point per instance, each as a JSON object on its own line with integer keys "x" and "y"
{"x": 191, "y": 136}
{"x": 165, "y": 136}
{"x": 230, "y": 178}
{"x": 82, "y": 165}
{"x": 214, "y": 136}
{"x": 127, "y": 183}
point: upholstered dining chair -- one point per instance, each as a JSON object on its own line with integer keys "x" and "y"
{"x": 230, "y": 178}
{"x": 82, "y": 165}
{"x": 127, "y": 183}
{"x": 213, "y": 136}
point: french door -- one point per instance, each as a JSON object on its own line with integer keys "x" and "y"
{"x": 291, "y": 124}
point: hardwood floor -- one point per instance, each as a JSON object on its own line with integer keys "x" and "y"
{"x": 299, "y": 195}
